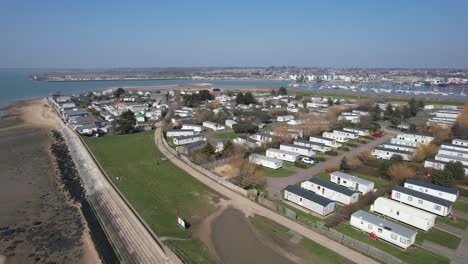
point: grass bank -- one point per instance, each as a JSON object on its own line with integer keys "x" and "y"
{"x": 157, "y": 189}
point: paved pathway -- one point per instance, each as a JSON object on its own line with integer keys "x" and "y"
{"x": 250, "y": 208}
{"x": 275, "y": 185}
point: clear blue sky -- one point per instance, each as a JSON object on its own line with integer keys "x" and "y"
{"x": 98, "y": 33}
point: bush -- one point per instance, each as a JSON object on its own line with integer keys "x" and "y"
{"x": 456, "y": 169}
{"x": 444, "y": 178}
{"x": 362, "y": 141}
{"x": 331, "y": 168}
{"x": 245, "y": 128}
{"x": 301, "y": 165}
{"x": 400, "y": 172}
{"x": 332, "y": 153}
{"x": 353, "y": 145}
{"x": 424, "y": 151}
{"x": 365, "y": 155}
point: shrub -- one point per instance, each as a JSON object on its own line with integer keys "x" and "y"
{"x": 344, "y": 164}
{"x": 301, "y": 165}
{"x": 354, "y": 162}
{"x": 365, "y": 155}
{"x": 245, "y": 128}
{"x": 424, "y": 151}
{"x": 353, "y": 145}
{"x": 456, "y": 169}
{"x": 332, "y": 153}
{"x": 442, "y": 177}
{"x": 331, "y": 168}
{"x": 400, "y": 172}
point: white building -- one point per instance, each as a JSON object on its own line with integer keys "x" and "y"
{"x": 389, "y": 145}
{"x": 331, "y": 191}
{"x": 439, "y": 165}
{"x": 214, "y": 126}
{"x": 383, "y": 229}
{"x": 351, "y": 117}
{"x": 352, "y": 182}
{"x": 316, "y": 203}
{"x": 301, "y": 150}
{"x": 247, "y": 141}
{"x": 417, "y": 138}
{"x": 404, "y": 213}
{"x": 442, "y": 192}
{"x": 285, "y": 118}
{"x": 422, "y": 201}
{"x": 359, "y": 131}
{"x": 262, "y": 137}
{"x": 180, "y": 132}
{"x": 327, "y": 141}
{"x": 282, "y": 154}
{"x": 460, "y": 142}
{"x": 264, "y": 161}
{"x": 230, "y": 123}
{"x": 315, "y": 146}
{"x": 183, "y": 140}
{"x": 346, "y": 134}
{"x": 387, "y": 153}
{"x": 196, "y": 128}
{"x": 332, "y": 135}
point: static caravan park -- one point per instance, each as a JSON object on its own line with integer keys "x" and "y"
{"x": 352, "y": 182}
{"x": 442, "y": 192}
{"x": 383, "y": 229}
{"x": 316, "y": 203}
{"x": 422, "y": 201}
{"x": 331, "y": 191}
{"x": 404, "y": 213}
{"x": 301, "y": 150}
{"x": 264, "y": 161}
{"x": 282, "y": 154}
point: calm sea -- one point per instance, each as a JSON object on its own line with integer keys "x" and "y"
{"x": 16, "y": 84}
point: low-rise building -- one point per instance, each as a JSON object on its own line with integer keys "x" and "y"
{"x": 316, "y": 203}
{"x": 196, "y": 128}
{"x": 301, "y": 150}
{"x": 315, "y": 146}
{"x": 442, "y": 192}
{"x": 285, "y": 118}
{"x": 352, "y": 182}
{"x": 387, "y": 153}
{"x": 247, "y": 141}
{"x": 331, "y": 191}
{"x": 383, "y": 229}
{"x": 282, "y": 154}
{"x": 422, "y": 201}
{"x": 404, "y": 213}
{"x": 327, "y": 141}
{"x": 337, "y": 137}
{"x": 214, "y": 126}
{"x": 346, "y": 134}
{"x": 230, "y": 122}
{"x": 180, "y": 132}
{"x": 265, "y": 161}
{"x": 417, "y": 138}
{"x": 182, "y": 140}
{"x": 361, "y": 132}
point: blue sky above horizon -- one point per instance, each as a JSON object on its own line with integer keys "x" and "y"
{"x": 93, "y": 34}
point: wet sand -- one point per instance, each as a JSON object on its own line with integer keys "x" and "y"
{"x": 235, "y": 241}
{"x": 38, "y": 221}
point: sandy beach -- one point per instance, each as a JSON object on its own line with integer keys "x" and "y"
{"x": 38, "y": 221}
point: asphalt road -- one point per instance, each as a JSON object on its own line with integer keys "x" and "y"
{"x": 249, "y": 207}
{"x": 275, "y": 185}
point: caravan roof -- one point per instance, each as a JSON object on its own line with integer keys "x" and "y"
{"x": 423, "y": 196}
{"x": 432, "y": 186}
{"x": 331, "y": 185}
{"x": 309, "y": 195}
{"x": 385, "y": 224}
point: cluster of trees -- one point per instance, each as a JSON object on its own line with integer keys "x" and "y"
{"x": 460, "y": 128}
{"x": 452, "y": 171}
{"x": 424, "y": 151}
{"x": 245, "y": 98}
{"x": 208, "y": 153}
{"x": 245, "y": 128}
{"x": 398, "y": 114}
{"x": 348, "y": 163}
{"x": 124, "y": 124}
{"x": 281, "y": 91}
{"x": 396, "y": 169}
{"x": 193, "y": 100}
{"x": 255, "y": 116}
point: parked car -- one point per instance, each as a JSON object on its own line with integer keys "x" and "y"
{"x": 308, "y": 160}
{"x": 377, "y": 135}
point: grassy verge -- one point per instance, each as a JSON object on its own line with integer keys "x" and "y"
{"x": 157, "y": 189}
{"x": 279, "y": 173}
{"x": 460, "y": 206}
{"x": 190, "y": 251}
{"x": 420, "y": 255}
{"x": 307, "y": 250}
{"x": 226, "y": 135}
{"x": 461, "y": 223}
{"x": 440, "y": 237}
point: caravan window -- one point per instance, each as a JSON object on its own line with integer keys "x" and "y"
{"x": 394, "y": 236}
{"x": 402, "y": 240}
{"x": 437, "y": 207}
{"x": 420, "y": 201}
{"x": 300, "y": 199}
{"x": 397, "y": 195}
{"x": 380, "y": 230}
{"x": 369, "y": 226}
{"x": 410, "y": 198}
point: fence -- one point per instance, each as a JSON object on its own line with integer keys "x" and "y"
{"x": 215, "y": 163}
{"x": 332, "y": 233}
{"x": 206, "y": 172}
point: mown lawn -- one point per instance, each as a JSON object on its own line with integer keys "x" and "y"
{"x": 225, "y": 135}
{"x": 279, "y": 173}
{"x": 460, "y": 206}
{"x": 157, "y": 189}
{"x": 461, "y": 223}
{"x": 307, "y": 250}
{"x": 420, "y": 255}
{"x": 440, "y": 237}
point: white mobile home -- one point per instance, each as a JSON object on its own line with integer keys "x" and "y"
{"x": 417, "y": 138}
{"x": 230, "y": 122}
{"x": 389, "y": 145}
{"x": 352, "y": 182}
{"x": 264, "y": 161}
{"x": 443, "y": 192}
{"x": 196, "y": 128}
{"x": 285, "y": 118}
{"x": 404, "y": 213}
{"x": 460, "y": 142}
{"x": 316, "y": 203}
{"x": 246, "y": 141}
{"x": 387, "y": 153}
{"x": 383, "y": 229}
{"x": 180, "y": 132}
{"x": 301, "y": 150}
{"x": 183, "y": 140}
{"x": 359, "y": 131}
{"x": 332, "y": 135}
{"x": 439, "y": 165}
{"x": 282, "y": 154}
{"x": 331, "y": 191}
{"x": 422, "y": 201}
{"x": 327, "y": 141}
{"x": 212, "y": 125}
{"x": 346, "y": 134}
{"x": 313, "y": 145}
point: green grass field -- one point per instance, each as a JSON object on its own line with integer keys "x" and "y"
{"x": 225, "y": 135}
{"x": 157, "y": 189}
{"x": 279, "y": 173}
{"x": 460, "y": 206}
{"x": 420, "y": 255}
{"x": 307, "y": 250}
{"x": 461, "y": 223}
{"x": 439, "y": 237}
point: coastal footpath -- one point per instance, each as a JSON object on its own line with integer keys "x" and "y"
{"x": 132, "y": 241}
